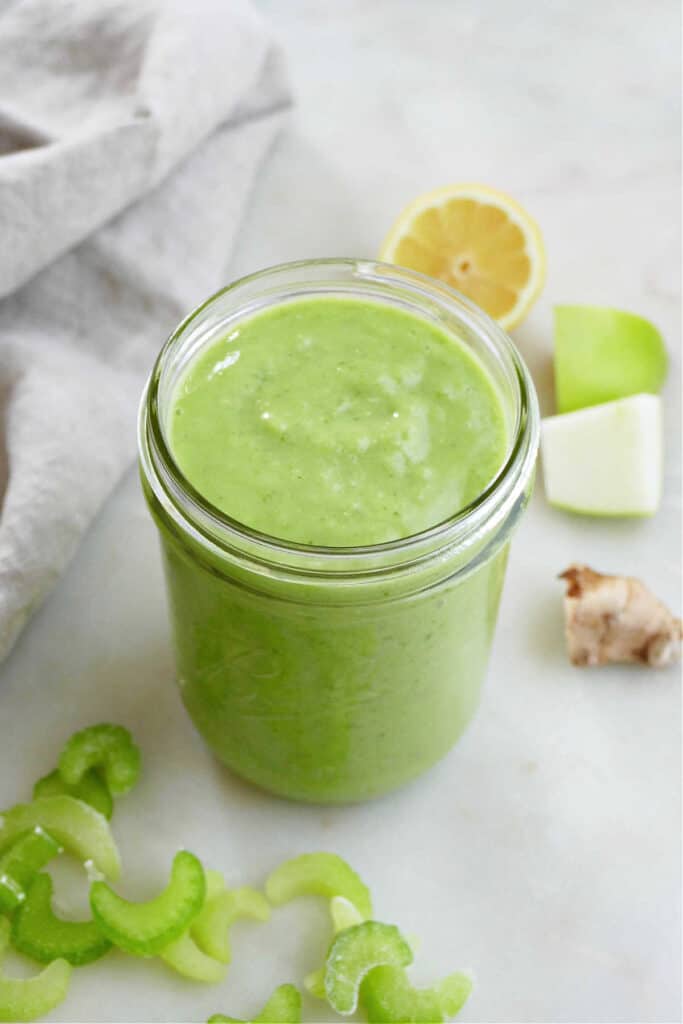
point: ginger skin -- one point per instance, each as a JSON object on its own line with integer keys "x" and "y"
{"x": 617, "y": 619}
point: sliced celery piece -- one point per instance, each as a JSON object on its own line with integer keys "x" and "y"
{"x": 185, "y": 957}
{"x": 79, "y": 828}
{"x": 146, "y": 929}
{"x": 354, "y": 953}
{"x": 283, "y": 1007}
{"x": 26, "y": 999}
{"x": 109, "y": 748}
{"x": 90, "y": 788}
{"x": 20, "y": 864}
{"x": 314, "y": 983}
{"x": 318, "y": 874}
{"x": 211, "y": 928}
{"x": 389, "y": 998}
{"x": 11, "y": 894}
{"x": 344, "y": 915}
{"x": 40, "y": 934}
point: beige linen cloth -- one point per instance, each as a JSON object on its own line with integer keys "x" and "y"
{"x": 130, "y": 135}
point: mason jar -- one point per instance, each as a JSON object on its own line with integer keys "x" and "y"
{"x": 334, "y": 674}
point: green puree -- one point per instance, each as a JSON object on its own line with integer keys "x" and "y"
{"x": 337, "y": 422}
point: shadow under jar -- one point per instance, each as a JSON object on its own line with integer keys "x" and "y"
{"x": 334, "y": 674}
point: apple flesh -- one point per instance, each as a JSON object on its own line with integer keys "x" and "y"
{"x": 602, "y": 354}
{"x": 606, "y": 460}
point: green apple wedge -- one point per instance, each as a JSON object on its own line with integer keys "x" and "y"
{"x": 603, "y": 354}
{"x": 605, "y": 460}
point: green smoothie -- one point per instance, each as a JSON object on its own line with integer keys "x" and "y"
{"x": 338, "y": 422}
{"x": 323, "y": 423}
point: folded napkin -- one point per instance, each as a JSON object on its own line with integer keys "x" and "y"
{"x": 130, "y": 134}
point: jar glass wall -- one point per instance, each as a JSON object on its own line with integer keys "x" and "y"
{"x": 334, "y": 674}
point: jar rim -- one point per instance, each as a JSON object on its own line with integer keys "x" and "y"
{"x": 187, "y": 504}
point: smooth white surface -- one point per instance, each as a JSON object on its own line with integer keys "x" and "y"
{"x": 544, "y": 853}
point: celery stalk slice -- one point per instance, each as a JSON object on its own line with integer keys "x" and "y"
{"x": 109, "y": 748}
{"x": 283, "y": 1007}
{"x": 211, "y": 928}
{"x": 184, "y": 954}
{"x": 185, "y": 957}
{"x": 79, "y": 828}
{"x": 215, "y": 883}
{"x": 11, "y": 894}
{"x": 354, "y": 953}
{"x": 146, "y": 929}
{"x": 344, "y": 915}
{"x": 26, "y": 999}
{"x": 318, "y": 874}
{"x": 389, "y": 998}
{"x": 314, "y": 983}
{"x": 91, "y": 789}
{"x": 40, "y": 934}
{"x": 20, "y": 864}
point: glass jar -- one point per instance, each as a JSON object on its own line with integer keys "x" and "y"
{"x": 334, "y": 674}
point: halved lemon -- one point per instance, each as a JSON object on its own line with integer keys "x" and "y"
{"x": 477, "y": 240}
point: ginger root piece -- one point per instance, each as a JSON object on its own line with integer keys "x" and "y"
{"x": 617, "y": 619}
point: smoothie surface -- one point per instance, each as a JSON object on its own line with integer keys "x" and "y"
{"x": 337, "y": 422}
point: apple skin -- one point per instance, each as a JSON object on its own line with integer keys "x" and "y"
{"x": 603, "y": 354}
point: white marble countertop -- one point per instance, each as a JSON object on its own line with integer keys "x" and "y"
{"x": 544, "y": 852}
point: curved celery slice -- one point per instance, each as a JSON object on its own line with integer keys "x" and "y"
{"x": 354, "y": 953}
{"x": 40, "y": 934}
{"x": 25, "y": 999}
{"x": 283, "y": 1007}
{"x": 11, "y": 894}
{"x": 107, "y": 747}
{"x": 344, "y": 915}
{"x": 388, "y": 997}
{"x": 91, "y": 789}
{"x": 215, "y": 883}
{"x": 146, "y": 929}
{"x": 79, "y": 828}
{"x": 21, "y": 863}
{"x": 210, "y": 930}
{"x": 314, "y": 983}
{"x": 318, "y": 874}
{"x": 185, "y": 957}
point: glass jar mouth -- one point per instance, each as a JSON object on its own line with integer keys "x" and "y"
{"x": 189, "y": 508}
